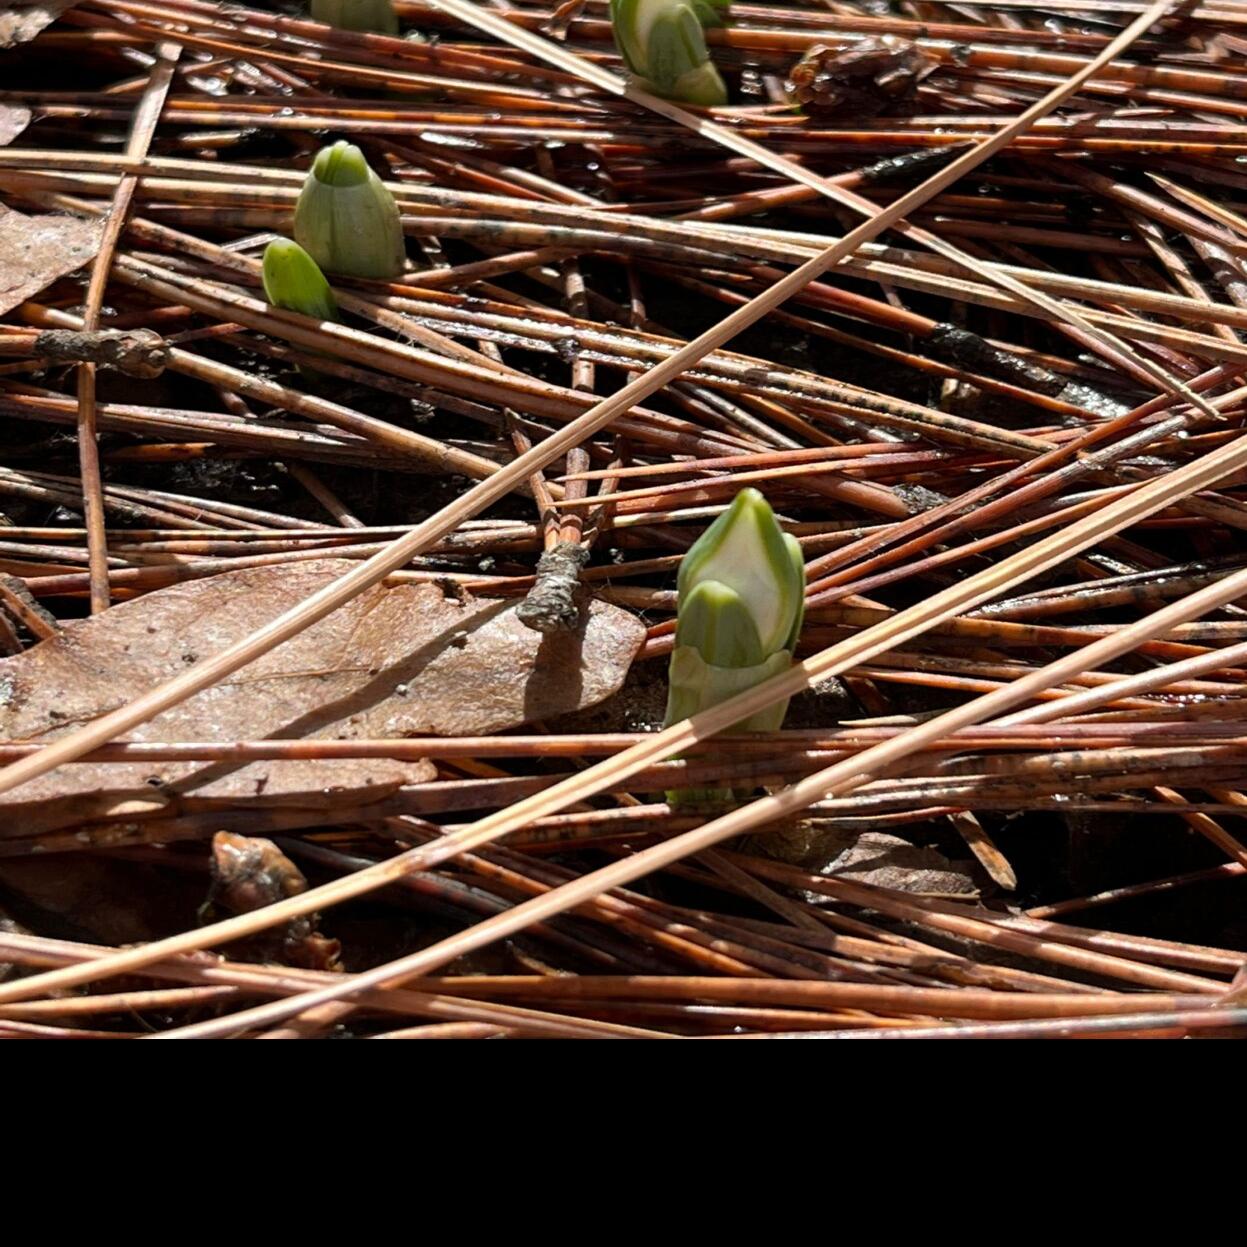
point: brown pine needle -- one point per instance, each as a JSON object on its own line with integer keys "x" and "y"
{"x": 142, "y": 130}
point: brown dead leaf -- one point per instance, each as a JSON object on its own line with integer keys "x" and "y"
{"x": 22, "y": 20}
{"x": 36, "y": 250}
{"x": 13, "y": 121}
{"x": 873, "y": 857}
{"x": 890, "y": 862}
{"x": 102, "y": 900}
{"x": 397, "y": 661}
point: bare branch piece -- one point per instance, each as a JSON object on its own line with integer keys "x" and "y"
{"x": 551, "y": 603}
{"x": 136, "y": 352}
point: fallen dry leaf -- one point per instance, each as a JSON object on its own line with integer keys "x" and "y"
{"x": 36, "y": 250}
{"x": 102, "y": 900}
{"x": 13, "y": 121}
{"x": 398, "y": 661}
{"x": 873, "y": 857}
{"x": 889, "y": 862}
{"x": 20, "y": 22}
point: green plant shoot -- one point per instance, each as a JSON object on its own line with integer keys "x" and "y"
{"x": 293, "y": 280}
{"x": 741, "y": 603}
{"x": 346, "y": 219}
{"x": 662, "y": 43}
{"x": 367, "y": 16}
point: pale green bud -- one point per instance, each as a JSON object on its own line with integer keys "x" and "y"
{"x": 662, "y": 43}
{"x": 746, "y": 551}
{"x": 741, "y": 603}
{"x": 292, "y": 280}
{"x": 346, "y": 219}
{"x": 368, "y": 16}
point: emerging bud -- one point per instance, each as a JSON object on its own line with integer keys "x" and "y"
{"x": 346, "y": 219}
{"x": 292, "y": 280}
{"x": 663, "y": 44}
{"x": 742, "y": 600}
{"x": 369, "y": 16}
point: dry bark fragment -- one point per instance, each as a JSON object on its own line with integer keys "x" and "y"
{"x": 13, "y": 121}
{"x": 872, "y": 76}
{"x": 248, "y": 873}
{"x": 136, "y": 352}
{"x": 36, "y": 250}
{"x": 22, "y": 20}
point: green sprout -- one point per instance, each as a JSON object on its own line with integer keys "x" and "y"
{"x": 663, "y": 45}
{"x": 293, "y": 280}
{"x": 741, "y": 603}
{"x": 367, "y": 16}
{"x": 346, "y": 219}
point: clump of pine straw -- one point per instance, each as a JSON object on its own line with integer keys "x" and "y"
{"x": 979, "y": 343}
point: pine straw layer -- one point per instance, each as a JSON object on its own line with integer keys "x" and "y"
{"x": 994, "y": 389}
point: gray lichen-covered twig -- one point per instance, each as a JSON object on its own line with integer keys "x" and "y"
{"x": 968, "y": 350}
{"x": 551, "y": 603}
{"x": 136, "y": 352}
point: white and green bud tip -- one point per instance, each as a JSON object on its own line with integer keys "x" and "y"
{"x": 293, "y": 280}
{"x": 346, "y": 219}
{"x": 376, "y": 17}
{"x": 663, "y": 45}
{"x": 741, "y": 603}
